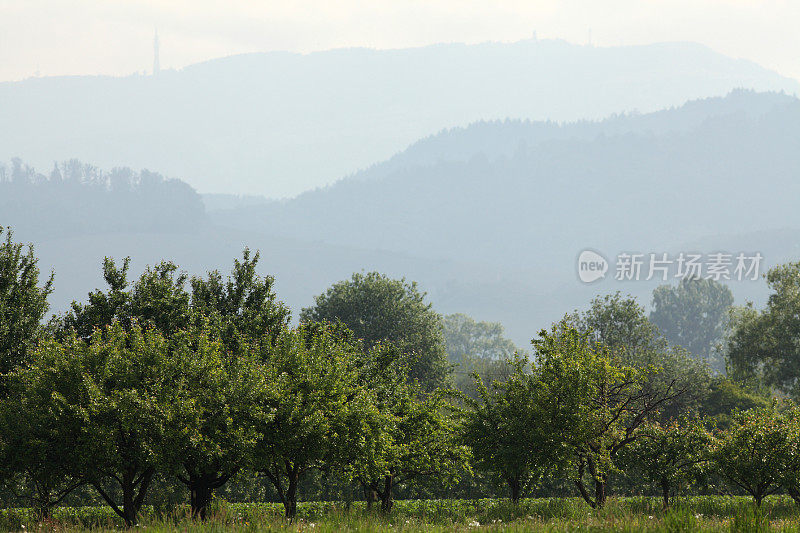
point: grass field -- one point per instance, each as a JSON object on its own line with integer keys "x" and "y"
{"x": 702, "y": 513}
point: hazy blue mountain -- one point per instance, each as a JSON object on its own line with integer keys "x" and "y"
{"x": 662, "y": 179}
{"x": 488, "y": 218}
{"x": 279, "y": 123}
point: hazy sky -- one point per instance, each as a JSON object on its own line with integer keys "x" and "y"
{"x": 52, "y": 37}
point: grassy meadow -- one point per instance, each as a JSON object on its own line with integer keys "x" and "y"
{"x": 701, "y": 513}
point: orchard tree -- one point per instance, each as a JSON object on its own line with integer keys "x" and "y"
{"x": 671, "y": 455}
{"x": 409, "y": 434}
{"x": 693, "y": 314}
{"x": 620, "y": 325}
{"x": 23, "y": 302}
{"x": 43, "y": 428}
{"x": 113, "y": 389}
{"x": 509, "y": 431}
{"x": 318, "y": 409}
{"x": 790, "y": 477}
{"x": 378, "y": 309}
{"x": 600, "y": 403}
{"x": 245, "y": 301}
{"x": 158, "y": 299}
{"x": 218, "y": 400}
{"x": 757, "y": 452}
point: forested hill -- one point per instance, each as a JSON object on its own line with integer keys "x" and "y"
{"x": 489, "y": 218}
{"x": 79, "y": 199}
{"x": 279, "y": 123}
{"x": 527, "y": 195}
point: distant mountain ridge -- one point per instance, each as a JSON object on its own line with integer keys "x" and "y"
{"x": 488, "y": 218}
{"x": 709, "y": 165}
{"x": 277, "y": 124}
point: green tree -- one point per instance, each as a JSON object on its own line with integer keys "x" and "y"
{"x": 378, "y": 309}
{"x": 726, "y": 397}
{"x": 42, "y": 435}
{"x": 23, "y": 303}
{"x": 510, "y": 433}
{"x": 480, "y": 347}
{"x": 245, "y": 301}
{"x": 693, "y": 315}
{"x": 409, "y": 434}
{"x": 601, "y": 403}
{"x": 671, "y": 455}
{"x": 756, "y": 452}
{"x": 317, "y": 408}
{"x": 158, "y": 298}
{"x": 620, "y": 325}
{"x": 790, "y": 476}
{"x": 217, "y": 404}
{"x": 763, "y": 344}
{"x": 464, "y": 336}
{"x": 113, "y": 386}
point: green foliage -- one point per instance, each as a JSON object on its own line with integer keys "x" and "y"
{"x": 40, "y": 432}
{"x": 757, "y": 451}
{"x": 693, "y": 315}
{"x": 509, "y": 431}
{"x": 378, "y": 309}
{"x": 726, "y": 397}
{"x": 619, "y": 324}
{"x": 318, "y": 409}
{"x": 246, "y": 302}
{"x": 218, "y": 402}
{"x": 466, "y": 337}
{"x": 480, "y": 347}
{"x": 23, "y": 303}
{"x": 598, "y": 403}
{"x": 672, "y": 456}
{"x": 411, "y": 434}
{"x": 158, "y": 299}
{"x": 110, "y": 393}
{"x": 763, "y": 344}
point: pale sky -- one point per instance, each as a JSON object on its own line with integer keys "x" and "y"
{"x": 115, "y": 37}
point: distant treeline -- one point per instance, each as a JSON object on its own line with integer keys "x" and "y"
{"x": 79, "y": 198}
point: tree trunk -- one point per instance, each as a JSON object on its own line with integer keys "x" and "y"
{"x": 290, "y": 501}
{"x": 128, "y": 507}
{"x": 600, "y": 491}
{"x": 43, "y": 511}
{"x": 201, "y": 496}
{"x": 665, "y": 493}
{"x": 131, "y": 501}
{"x": 516, "y": 490}
{"x": 386, "y": 496}
{"x": 581, "y": 487}
{"x": 43, "y": 506}
{"x": 369, "y": 495}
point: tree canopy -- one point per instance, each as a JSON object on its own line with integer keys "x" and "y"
{"x": 379, "y": 309}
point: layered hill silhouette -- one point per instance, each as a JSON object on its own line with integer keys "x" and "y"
{"x": 278, "y": 124}
{"x": 489, "y": 218}
{"x": 514, "y": 192}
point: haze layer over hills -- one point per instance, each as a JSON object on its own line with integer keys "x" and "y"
{"x": 278, "y": 124}
{"x": 489, "y": 218}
